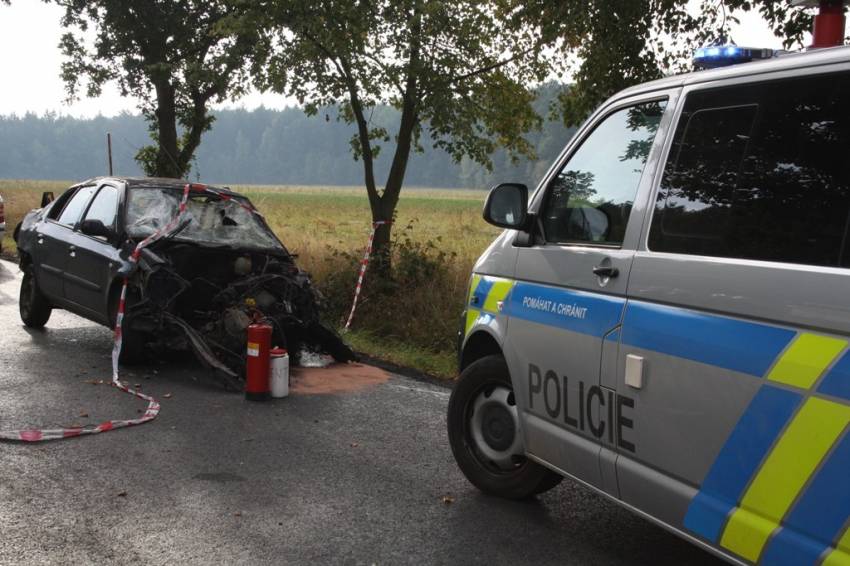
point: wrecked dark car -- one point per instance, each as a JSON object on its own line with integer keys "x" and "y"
{"x": 198, "y": 288}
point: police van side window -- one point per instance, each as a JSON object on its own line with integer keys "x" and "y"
{"x": 759, "y": 172}
{"x": 590, "y": 199}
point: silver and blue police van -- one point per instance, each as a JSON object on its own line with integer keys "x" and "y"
{"x": 666, "y": 318}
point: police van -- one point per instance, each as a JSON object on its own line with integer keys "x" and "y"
{"x": 666, "y": 319}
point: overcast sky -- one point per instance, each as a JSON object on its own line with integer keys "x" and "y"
{"x": 30, "y": 60}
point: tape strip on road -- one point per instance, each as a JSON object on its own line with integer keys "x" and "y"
{"x": 40, "y": 435}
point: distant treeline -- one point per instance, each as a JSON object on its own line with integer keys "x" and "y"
{"x": 259, "y": 146}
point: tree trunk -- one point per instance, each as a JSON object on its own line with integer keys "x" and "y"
{"x": 166, "y": 124}
{"x": 409, "y": 119}
{"x": 192, "y": 139}
{"x": 392, "y": 190}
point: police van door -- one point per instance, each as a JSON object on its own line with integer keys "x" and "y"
{"x": 736, "y": 338}
{"x": 571, "y": 282}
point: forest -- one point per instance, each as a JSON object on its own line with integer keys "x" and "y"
{"x": 260, "y": 146}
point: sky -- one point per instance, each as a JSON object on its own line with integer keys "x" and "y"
{"x": 30, "y": 63}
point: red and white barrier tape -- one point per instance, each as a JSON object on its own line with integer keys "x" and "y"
{"x": 364, "y": 263}
{"x": 39, "y": 435}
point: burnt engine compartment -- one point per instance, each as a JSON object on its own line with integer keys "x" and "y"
{"x": 203, "y": 298}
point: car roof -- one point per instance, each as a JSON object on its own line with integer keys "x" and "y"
{"x": 785, "y": 61}
{"x": 150, "y": 182}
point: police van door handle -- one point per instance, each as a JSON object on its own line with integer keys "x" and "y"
{"x": 605, "y": 271}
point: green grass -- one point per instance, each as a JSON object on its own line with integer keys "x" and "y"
{"x": 440, "y": 231}
{"x": 441, "y": 364}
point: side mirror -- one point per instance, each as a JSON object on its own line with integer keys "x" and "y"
{"x": 47, "y": 198}
{"x": 506, "y": 206}
{"x": 95, "y": 228}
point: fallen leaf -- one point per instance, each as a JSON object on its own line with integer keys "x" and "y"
{"x": 237, "y": 514}
{"x": 84, "y": 415}
{"x": 448, "y": 499}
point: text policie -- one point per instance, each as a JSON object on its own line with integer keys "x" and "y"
{"x": 599, "y": 410}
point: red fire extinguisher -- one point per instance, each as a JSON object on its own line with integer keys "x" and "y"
{"x": 257, "y": 367}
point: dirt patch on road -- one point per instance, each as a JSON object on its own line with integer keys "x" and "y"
{"x": 336, "y": 378}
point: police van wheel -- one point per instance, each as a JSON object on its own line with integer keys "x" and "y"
{"x": 483, "y": 423}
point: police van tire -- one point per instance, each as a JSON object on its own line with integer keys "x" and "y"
{"x": 487, "y": 377}
{"x": 33, "y": 306}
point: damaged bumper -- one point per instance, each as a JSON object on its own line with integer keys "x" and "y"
{"x": 202, "y": 299}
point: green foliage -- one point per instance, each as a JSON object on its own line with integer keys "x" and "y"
{"x": 613, "y": 44}
{"x": 173, "y": 56}
{"x": 418, "y": 300}
{"x": 449, "y": 68}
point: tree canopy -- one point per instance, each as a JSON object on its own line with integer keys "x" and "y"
{"x": 452, "y": 68}
{"x": 172, "y": 56}
{"x": 608, "y": 45}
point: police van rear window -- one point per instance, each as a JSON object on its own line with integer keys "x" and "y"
{"x": 760, "y": 171}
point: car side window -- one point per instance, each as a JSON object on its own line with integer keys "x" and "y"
{"x": 104, "y": 207}
{"x": 759, "y": 171}
{"x": 74, "y": 209}
{"x": 58, "y": 205}
{"x": 590, "y": 199}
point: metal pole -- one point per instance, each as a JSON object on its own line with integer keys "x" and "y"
{"x": 109, "y": 150}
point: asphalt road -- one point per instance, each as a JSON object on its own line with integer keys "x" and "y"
{"x": 347, "y": 477}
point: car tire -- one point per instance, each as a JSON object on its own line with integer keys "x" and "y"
{"x": 34, "y": 307}
{"x": 484, "y": 434}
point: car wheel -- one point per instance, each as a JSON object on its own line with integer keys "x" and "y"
{"x": 483, "y": 422}
{"x": 33, "y": 305}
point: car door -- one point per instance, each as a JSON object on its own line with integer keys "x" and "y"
{"x": 52, "y": 246}
{"x": 735, "y": 338}
{"x": 91, "y": 259}
{"x": 570, "y": 288}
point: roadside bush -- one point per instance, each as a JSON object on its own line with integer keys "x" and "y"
{"x": 417, "y": 301}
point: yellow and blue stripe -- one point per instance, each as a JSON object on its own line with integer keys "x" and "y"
{"x": 767, "y": 415}
{"x": 767, "y": 488}
{"x": 737, "y": 345}
{"x": 485, "y": 294}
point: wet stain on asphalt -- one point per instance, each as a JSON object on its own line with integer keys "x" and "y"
{"x": 336, "y": 378}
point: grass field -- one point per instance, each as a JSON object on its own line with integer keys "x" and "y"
{"x": 327, "y": 227}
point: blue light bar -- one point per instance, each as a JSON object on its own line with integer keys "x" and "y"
{"x": 724, "y": 55}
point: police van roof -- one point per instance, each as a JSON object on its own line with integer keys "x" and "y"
{"x": 787, "y": 61}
